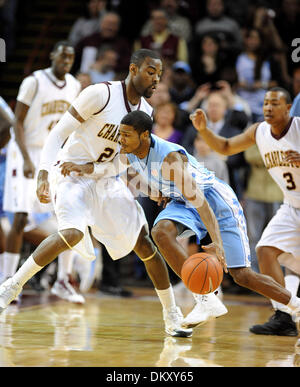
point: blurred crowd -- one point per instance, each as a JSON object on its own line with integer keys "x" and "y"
{"x": 219, "y": 55}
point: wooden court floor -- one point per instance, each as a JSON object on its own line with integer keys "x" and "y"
{"x": 120, "y": 332}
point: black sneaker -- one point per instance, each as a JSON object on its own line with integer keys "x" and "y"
{"x": 280, "y": 324}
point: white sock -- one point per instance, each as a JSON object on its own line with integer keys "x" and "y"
{"x": 166, "y": 297}
{"x": 27, "y": 271}
{"x": 292, "y": 283}
{"x": 65, "y": 264}
{"x": 281, "y": 307}
{"x": 10, "y": 263}
{"x": 294, "y": 303}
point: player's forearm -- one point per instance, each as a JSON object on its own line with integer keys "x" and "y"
{"x": 20, "y": 139}
{"x": 210, "y": 221}
{"x": 217, "y": 143}
{"x": 58, "y": 135}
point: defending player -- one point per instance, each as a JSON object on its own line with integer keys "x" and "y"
{"x": 82, "y": 199}
{"x": 43, "y": 98}
{"x": 200, "y": 202}
{"x": 278, "y": 140}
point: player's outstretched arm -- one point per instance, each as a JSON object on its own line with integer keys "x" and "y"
{"x": 174, "y": 169}
{"x": 225, "y": 146}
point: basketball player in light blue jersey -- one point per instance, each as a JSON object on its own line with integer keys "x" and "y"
{"x": 200, "y": 203}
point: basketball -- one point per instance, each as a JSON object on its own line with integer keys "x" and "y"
{"x": 202, "y": 273}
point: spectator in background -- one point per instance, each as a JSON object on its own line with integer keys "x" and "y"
{"x": 238, "y": 112}
{"x": 89, "y": 23}
{"x": 273, "y": 44}
{"x": 207, "y": 59}
{"x": 84, "y": 79}
{"x": 88, "y": 47}
{"x": 161, "y": 96}
{"x": 219, "y": 121}
{"x": 171, "y": 47}
{"x": 103, "y": 69}
{"x": 164, "y": 122}
{"x": 287, "y": 21}
{"x": 8, "y": 10}
{"x": 182, "y": 86}
{"x": 254, "y": 73}
{"x": 295, "y": 109}
{"x": 210, "y": 159}
{"x": 224, "y": 27}
{"x": 178, "y": 25}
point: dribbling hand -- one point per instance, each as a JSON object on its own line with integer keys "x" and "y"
{"x": 218, "y": 251}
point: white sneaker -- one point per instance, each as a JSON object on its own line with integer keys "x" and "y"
{"x": 173, "y": 319}
{"x": 63, "y": 289}
{"x": 9, "y": 290}
{"x": 207, "y": 307}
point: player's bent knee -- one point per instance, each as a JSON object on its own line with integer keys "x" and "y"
{"x": 20, "y": 221}
{"x": 163, "y": 231}
{"x": 241, "y": 276}
{"x": 144, "y": 246}
{"x": 71, "y": 236}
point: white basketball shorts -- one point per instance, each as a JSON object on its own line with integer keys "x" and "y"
{"x": 19, "y": 191}
{"x": 105, "y": 205}
{"x": 283, "y": 231}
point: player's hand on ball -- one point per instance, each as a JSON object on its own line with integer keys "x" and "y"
{"x": 215, "y": 249}
{"x": 198, "y": 118}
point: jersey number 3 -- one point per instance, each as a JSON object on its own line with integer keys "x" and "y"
{"x": 290, "y": 181}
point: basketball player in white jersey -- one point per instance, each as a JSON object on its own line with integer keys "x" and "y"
{"x": 85, "y": 199}
{"x": 43, "y": 98}
{"x": 278, "y": 140}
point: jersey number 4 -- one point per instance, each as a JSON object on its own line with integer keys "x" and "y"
{"x": 290, "y": 181}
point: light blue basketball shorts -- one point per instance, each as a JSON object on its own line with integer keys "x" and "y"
{"x": 230, "y": 216}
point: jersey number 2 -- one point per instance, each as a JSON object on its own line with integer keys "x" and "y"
{"x": 290, "y": 181}
{"x": 105, "y": 155}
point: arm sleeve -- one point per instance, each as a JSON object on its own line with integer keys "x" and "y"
{"x": 91, "y": 100}
{"x": 58, "y": 135}
{"x": 27, "y": 90}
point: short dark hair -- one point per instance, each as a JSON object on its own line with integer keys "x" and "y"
{"x": 140, "y": 120}
{"x": 286, "y": 94}
{"x": 139, "y": 56}
{"x": 63, "y": 43}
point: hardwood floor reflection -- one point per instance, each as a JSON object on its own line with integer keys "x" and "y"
{"x": 119, "y": 332}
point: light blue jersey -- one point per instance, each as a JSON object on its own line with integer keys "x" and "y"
{"x": 150, "y": 168}
{"x": 219, "y": 195}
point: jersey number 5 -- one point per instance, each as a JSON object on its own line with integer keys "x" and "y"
{"x": 290, "y": 181}
{"x": 105, "y": 155}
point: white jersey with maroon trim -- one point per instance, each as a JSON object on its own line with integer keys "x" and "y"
{"x": 51, "y": 99}
{"x": 102, "y": 106}
{"x": 272, "y": 149}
